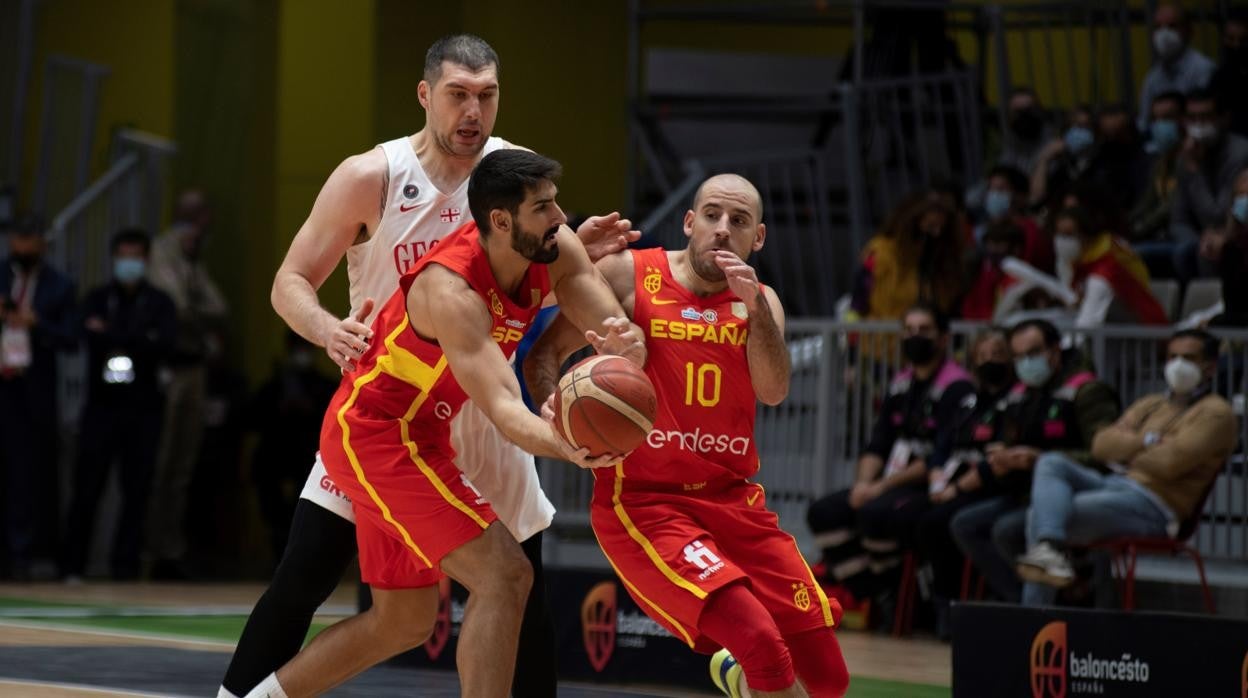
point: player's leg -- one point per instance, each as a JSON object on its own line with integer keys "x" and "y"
{"x": 321, "y": 546}
{"x": 735, "y": 619}
{"x": 398, "y": 620}
{"x": 818, "y": 662}
{"x": 536, "y": 672}
{"x": 498, "y": 578}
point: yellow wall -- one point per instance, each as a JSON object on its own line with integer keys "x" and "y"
{"x": 134, "y": 39}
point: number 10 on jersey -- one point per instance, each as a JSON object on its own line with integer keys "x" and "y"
{"x": 702, "y": 383}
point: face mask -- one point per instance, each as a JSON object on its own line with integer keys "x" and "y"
{"x": 1202, "y": 132}
{"x": 997, "y": 203}
{"x": 1033, "y": 371}
{"x": 1167, "y": 42}
{"x": 1239, "y": 209}
{"x": 1079, "y": 139}
{"x": 1066, "y": 248}
{"x": 128, "y": 270}
{"x": 1164, "y": 134}
{"x": 993, "y": 373}
{"x": 918, "y": 350}
{"x": 1027, "y": 124}
{"x": 1182, "y": 375}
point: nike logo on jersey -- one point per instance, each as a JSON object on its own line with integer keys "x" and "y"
{"x": 754, "y": 497}
{"x": 655, "y": 300}
{"x": 405, "y": 209}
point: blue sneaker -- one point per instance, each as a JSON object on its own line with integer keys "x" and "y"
{"x": 726, "y": 673}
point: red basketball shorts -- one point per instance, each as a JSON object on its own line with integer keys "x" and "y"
{"x": 412, "y": 504}
{"x": 672, "y": 550}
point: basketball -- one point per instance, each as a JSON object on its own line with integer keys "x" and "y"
{"x": 606, "y": 404}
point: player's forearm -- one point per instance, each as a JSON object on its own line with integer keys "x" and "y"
{"x": 768, "y": 356}
{"x": 541, "y": 371}
{"x": 523, "y": 428}
{"x": 295, "y": 300}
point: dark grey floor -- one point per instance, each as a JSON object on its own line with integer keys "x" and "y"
{"x": 177, "y": 672}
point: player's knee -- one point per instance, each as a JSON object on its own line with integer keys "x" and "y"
{"x": 514, "y": 578}
{"x": 403, "y": 624}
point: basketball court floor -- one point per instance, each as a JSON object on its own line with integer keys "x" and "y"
{"x": 102, "y": 639}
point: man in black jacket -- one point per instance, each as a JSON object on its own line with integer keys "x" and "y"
{"x": 129, "y": 327}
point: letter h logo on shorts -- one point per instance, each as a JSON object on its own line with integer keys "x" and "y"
{"x": 700, "y": 555}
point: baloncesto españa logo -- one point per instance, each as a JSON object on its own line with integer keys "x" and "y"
{"x": 1055, "y": 669}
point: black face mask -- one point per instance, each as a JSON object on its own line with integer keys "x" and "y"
{"x": 993, "y": 374}
{"x": 26, "y": 261}
{"x": 918, "y": 350}
{"x": 1027, "y": 124}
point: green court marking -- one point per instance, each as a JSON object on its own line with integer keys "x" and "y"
{"x": 863, "y": 687}
{"x": 14, "y": 602}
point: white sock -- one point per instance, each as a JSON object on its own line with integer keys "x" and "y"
{"x": 268, "y": 688}
{"x": 223, "y": 692}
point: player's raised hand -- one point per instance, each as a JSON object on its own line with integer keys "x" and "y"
{"x": 350, "y": 337}
{"x": 741, "y": 278}
{"x": 606, "y": 235}
{"x": 621, "y": 339}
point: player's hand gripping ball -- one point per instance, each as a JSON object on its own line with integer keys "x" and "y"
{"x": 605, "y": 404}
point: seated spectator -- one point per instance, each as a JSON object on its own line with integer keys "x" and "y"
{"x": 1232, "y": 75}
{"x": 1027, "y": 132}
{"x": 1002, "y": 240}
{"x": 1114, "y": 158}
{"x": 953, "y": 474}
{"x": 1058, "y": 406}
{"x": 129, "y": 326}
{"x": 1208, "y": 163}
{"x": 1008, "y": 190}
{"x": 864, "y": 529}
{"x": 1064, "y": 160}
{"x": 1103, "y": 269}
{"x": 1179, "y": 67}
{"x": 1227, "y": 248}
{"x": 916, "y": 258}
{"x": 1166, "y": 450}
{"x": 1150, "y": 218}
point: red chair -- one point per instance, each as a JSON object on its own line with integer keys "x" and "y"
{"x": 968, "y": 572}
{"x": 903, "y": 616}
{"x": 1124, "y": 551}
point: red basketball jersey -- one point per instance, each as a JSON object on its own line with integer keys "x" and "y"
{"x": 405, "y": 377}
{"x": 704, "y": 430}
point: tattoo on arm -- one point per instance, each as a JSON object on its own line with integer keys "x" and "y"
{"x": 385, "y": 192}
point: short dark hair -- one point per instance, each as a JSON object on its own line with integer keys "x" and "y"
{"x": 939, "y": 318}
{"x": 1052, "y": 338}
{"x": 130, "y": 236}
{"x": 503, "y": 178}
{"x": 1171, "y": 96}
{"x": 1209, "y": 344}
{"x": 1204, "y": 94}
{"x": 26, "y": 224}
{"x": 468, "y": 50}
{"x": 1016, "y": 178}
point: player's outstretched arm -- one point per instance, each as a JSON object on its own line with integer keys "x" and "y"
{"x": 606, "y": 235}
{"x": 584, "y": 295}
{"x": 347, "y": 208}
{"x": 548, "y": 354}
{"x": 765, "y": 348}
{"x": 461, "y": 325}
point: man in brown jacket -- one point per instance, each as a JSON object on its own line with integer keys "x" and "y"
{"x": 1165, "y": 449}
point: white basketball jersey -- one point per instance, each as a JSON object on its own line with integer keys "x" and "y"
{"x": 417, "y": 216}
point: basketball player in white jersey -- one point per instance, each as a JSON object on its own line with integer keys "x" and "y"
{"x": 384, "y": 209}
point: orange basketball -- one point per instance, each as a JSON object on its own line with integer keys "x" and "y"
{"x": 606, "y": 404}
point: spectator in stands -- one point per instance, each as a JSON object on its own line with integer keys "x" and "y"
{"x": 1227, "y": 248}
{"x": 286, "y": 412}
{"x": 864, "y": 529}
{"x": 36, "y": 323}
{"x": 953, "y": 467}
{"x": 1002, "y": 240}
{"x": 1065, "y": 159}
{"x": 1103, "y": 270}
{"x": 916, "y": 258}
{"x": 1210, "y": 159}
{"x": 1006, "y": 200}
{"x": 1178, "y": 66}
{"x": 1150, "y": 218}
{"x": 130, "y": 327}
{"x": 1165, "y": 451}
{"x": 1232, "y": 75}
{"x": 178, "y": 270}
{"x": 1028, "y": 130}
{"x": 1057, "y": 406}
{"x": 1108, "y": 152}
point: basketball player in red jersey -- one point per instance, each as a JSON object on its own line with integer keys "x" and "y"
{"x": 441, "y": 339}
{"x": 686, "y": 531}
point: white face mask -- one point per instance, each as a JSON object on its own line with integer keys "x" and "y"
{"x": 1167, "y": 42}
{"x": 1182, "y": 375}
{"x": 1066, "y": 248}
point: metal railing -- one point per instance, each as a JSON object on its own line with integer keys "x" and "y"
{"x": 130, "y": 193}
{"x": 71, "y": 101}
{"x": 16, "y": 46}
{"x": 810, "y": 443}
